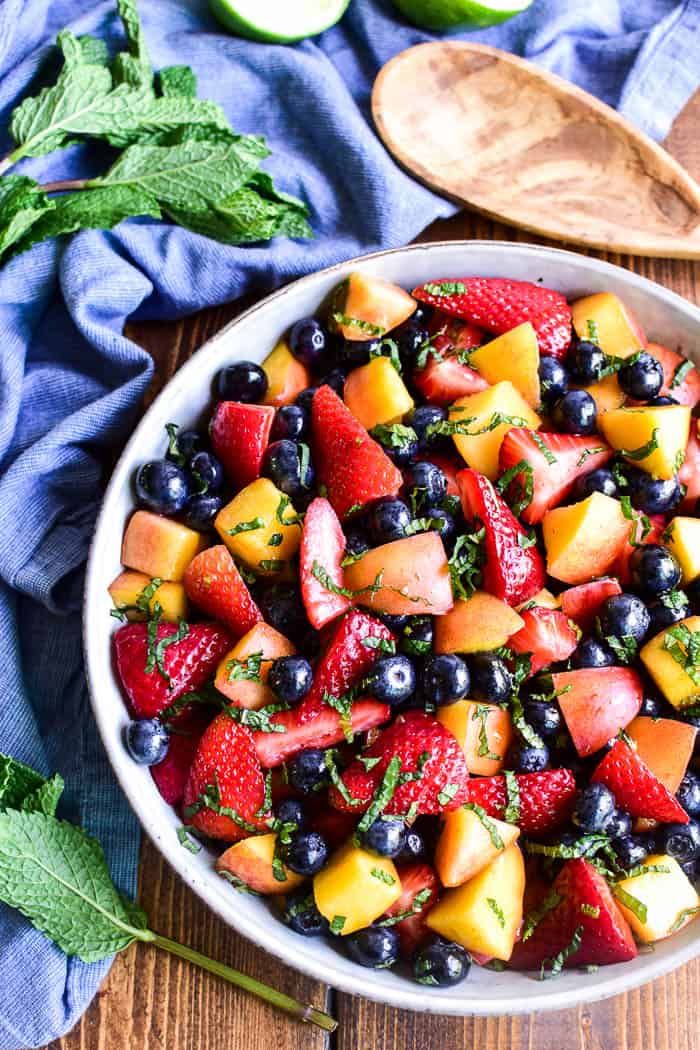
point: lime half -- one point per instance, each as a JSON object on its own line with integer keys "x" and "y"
{"x": 278, "y": 21}
{"x": 464, "y": 14}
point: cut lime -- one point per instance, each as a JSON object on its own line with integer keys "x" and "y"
{"x": 463, "y": 14}
{"x": 278, "y": 21}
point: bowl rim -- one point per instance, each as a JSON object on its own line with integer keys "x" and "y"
{"x": 405, "y": 995}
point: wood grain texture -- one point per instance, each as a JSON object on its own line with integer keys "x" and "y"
{"x": 493, "y": 131}
{"x": 152, "y": 1002}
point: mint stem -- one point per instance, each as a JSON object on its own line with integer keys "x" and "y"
{"x": 283, "y": 1002}
{"x": 61, "y": 187}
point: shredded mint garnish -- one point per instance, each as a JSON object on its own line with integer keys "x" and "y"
{"x": 681, "y": 372}
{"x": 447, "y": 794}
{"x": 388, "y": 348}
{"x": 535, "y": 917}
{"x": 246, "y": 526}
{"x": 487, "y": 823}
{"x": 343, "y": 321}
{"x": 384, "y": 645}
{"x": 592, "y": 910}
{"x": 511, "y": 813}
{"x": 522, "y": 479}
{"x": 497, "y": 911}
{"x": 292, "y": 519}
{"x": 592, "y": 330}
{"x": 249, "y": 669}
{"x": 643, "y": 451}
{"x": 394, "y": 435}
{"x": 637, "y": 907}
{"x": 450, "y": 427}
{"x": 465, "y": 563}
{"x": 187, "y": 842}
{"x": 330, "y": 758}
{"x": 421, "y": 898}
{"x": 557, "y": 963}
{"x": 480, "y": 714}
{"x": 682, "y": 916}
{"x": 383, "y": 794}
{"x": 445, "y": 288}
{"x": 684, "y": 646}
{"x": 546, "y": 452}
{"x": 210, "y": 799}
{"x": 382, "y": 876}
{"x": 337, "y": 923}
{"x": 259, "y": 721}
{"x": 589, "y": 452}
{"x": 237, "y": 883}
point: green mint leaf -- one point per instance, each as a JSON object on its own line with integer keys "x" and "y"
{"x": 465, "y": 563}
{"x": 384, "y": 645}
{"x": 330, "y": 761}
{"x": 682, "y": 916}
{"x": 450, "y": 427}
{"x": 592, "y": 331}
{"x": 17, "y": 782}
{"x": 382, "y": 876}
{"x": 487, "y": 823}
{"x": 535, "y": 917}
{"x": 518, "y": 483}
{"x": 684, "y": 646}
{"x": 497, "y": 911}
{"x": 417, "y": 903}
{"x": 259, "y": 721}
{"x": 445, "y": 796}
{"x": 591, "y": 909}
{"x": 93, "y": 51}
{"x": 246, "y": 670}
{"x": 246, "y": 216}
{"x": 557, "y": 963}
{"x": 445, "y": 288}
{"x": 586, "y": 846}
{"x": 681, "y": 373}
{"x": 589, "y": 452}
{"x": 178, "y": 80}
{"x": 22, "y": 203}
{"x": 342, "y": 320}
{"x": 246, "y": 526}
{"x": 637, "y": 907}
{"x": 625, "y": 648}
{"x": 394, "y": 435}
{"x": 546, "y": 452}
{"x": 383, "y": 794}
{"x": 135, "y": 37}
{"x": 511, "y": 813}
{"x": 337, "y": 923}
{"x": 643, "y": 451}
{"x": 481, "y": 714}
{"x": 45, "y": 798}
{"x": 187, "y": 841}
{"x": 388, "y": 348}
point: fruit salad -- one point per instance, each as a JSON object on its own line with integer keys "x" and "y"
{"x": 410, "y": 638}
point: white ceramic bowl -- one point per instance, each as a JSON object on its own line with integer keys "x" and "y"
{"x": 666, "y": 317}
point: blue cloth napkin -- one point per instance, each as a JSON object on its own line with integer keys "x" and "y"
{"x": 71, "y": 383}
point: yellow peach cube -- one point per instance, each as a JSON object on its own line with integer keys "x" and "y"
{"x": 355, "y": 888}
{"x": 477, "y": 415}
{"x": 159, "y": 546}
{"x": 261, "y": 527}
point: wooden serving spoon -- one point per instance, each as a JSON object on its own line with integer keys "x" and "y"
{"x": 496, "y": 133}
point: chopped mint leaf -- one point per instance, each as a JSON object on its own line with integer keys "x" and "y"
{"x": 394, "y": 435}
{"x": 636, "y": 454}
{"x": 184, "y": 837}
{"x": 383, "y": 794}
{"x": 330, "y": 761}
{"x": 592, "y": 331}
{"x": 337, "y": 923}
{"x": 497, "y": 911}
{"x": 589, "y": 452}
{"x": 546, "y": 452}
{"x": 271, "y": 564}
{"x": 450, "y": 427}
{"x": 282, "y": 517}
{"x": 249, "y": 669}
{"x": 511, "y": 813}
{"x": 382, "y": 876}
{"x": 535, "y": 917}
{"x": 384, "y": 645}
{"x": 521, "y": 478}
{"x": 480, "y": 714}
{"x": 637, "y": 907}
{"x": 682, "y": 916}
{"x": 684, "y": 646}
{"x": 421, "y": 898}
{"x": 592, "y": 910}
{"x": 246, "y": 526}
{"x": 342, "y": 320}
{"x": 465, "y": 563}
{"x": 275, "y": 539}
{"x": 447, "y": 794}
{"x": 237, "y": 883}
{"x": 445, "y": 288}
{"x": 387, "y": 348}
{"x": 681, "y": 373}
{"x": 557, "y": 963}
{"x": 487, "y": 823}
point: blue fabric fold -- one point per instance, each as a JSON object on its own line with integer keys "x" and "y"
{"x": 71, "y": 383}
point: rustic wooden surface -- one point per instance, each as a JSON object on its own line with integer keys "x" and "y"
{"x": 152, "y": 1002}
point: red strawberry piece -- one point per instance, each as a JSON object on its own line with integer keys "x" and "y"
{"x": 213, "y": 582}
{"x": 641, "y": 533}
{"x": 498, "y": 304}
{"x": 322, "y": 542}
{"x": 586, "y": 905}
{"x": 689, "y": 474}
{"x": 444, "y": 377}
{"x": 226, "y": 776}
{"x": 171, "y": 774}
{"x": 512, "y": 572}
{"x": 345, "y": 662}
{"x": 239, "y": 437}
{"x": 555, "y": 467}
{"x": 185, "y": 665}
{"x": 547, "y": 635}
{"x": 581, "y": 603}
{"x": 635, "y": 787}
{"x": 336, "y": 827}
{"x": 597, "y": 702}
{"x": 687, "y": 390}
{"x": 325, "y": 729}
{"x": 546, "y": 799}
{"x": 354, "y": 468}
{"x": 415, "y": 879}
{"x": 426, "y": 748}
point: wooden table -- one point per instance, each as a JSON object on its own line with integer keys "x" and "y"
{"x": 152, "y": 1001}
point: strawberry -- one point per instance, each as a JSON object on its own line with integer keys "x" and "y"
{"x": 498, "y": 305}
{"x": 546, "y": 634}
{"x": 226, "y": 775}
{"x": 597, "y": 702}
{"x": 354, "y": 468}
{"x": 512, "y": 572}
{"x": 322, "y": 541}
{"x": 171, "y": 774}
{"x": 425, "y": 748}
{"x": 687, "y": 391}
{"x": 444, "y": 377}
{"x": 346, "y": 660}
{"x": 638, "y": 531}
{"x": 581, "y": 603}
{"x": 546, "y": 799}
{"x": 417, "y": 878}
{"x": 635, "y": 787}
{"x": 239, "y": 437}
{"x": 336, "y": 827}
{"x": 587, "y": 905}
{"x": 689, "y": 474}
{"x": 178, "y": 666}
{"x": 213, "y": 582}
{"x": 325, "y": 729}
{"x": 555, "y": 462}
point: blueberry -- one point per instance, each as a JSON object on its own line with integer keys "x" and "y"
{"x": 307, "y": 770}
{"x": 690, "y": 870}
{"x": 291, "y": 421}
{"x": 335, "y": 379}
{"x": 441, "y": 963}
{"x": 282, "y": 607}
{"x": 681, "y": 841}
{"x": 688, "y": 794}
{"x": 554, "y": 379}
{"x": 669, "y": 609}
{"x": 652, "y": 706}
{"x": 184, "y": 444}
{"x": 442, "y": 523}
{"x": 308, "y": 341}
{"x": 410, "y": 337}
{"x": 427, "y": 416}
{"x": 631, "y": 850}
{"x": 391, "y": 680}
{"x": 422, "y": 313}
{"x": 356, "y": 540}
{"x": 305, "y": 853}
{"x": 417, "y": 636}
{"x": 147, "y": 741}
{"x": 694, "y": 720}
{"x": 425, "y": 485}
{"x": 200, "y": 512}
{"x": 352, "y": 353}
{"x": 600, "y": 480}
{"x": 207, "y": 473}
{"x": 654, "y": 569}
{"x": 398, "y": 441}
{"x": 291, "y": 811}
{"x": 490, "y": 678}
{"x": 387, "y": 520}
{"x": 622, "y": 616}
{"x": 641, "y": 379}
{"x": 245, "y": 381}
{"x": 444, "y": 678}
{"x": 619, "y": 826}
{"x": 290, "y": 678}
{"x": 661, "y": 400}
{"x": 693, "y": 592}
{"x": 304, "y": 398}
{"x": 593, "y": 653}
{"x": 526, "y": 759}
{"x": 544, "y": 716}
{"x": 395, "y": 623}
{"x": 162, "y": 486}
{"x": 288, "y": 464}
{"x": 653, "y": 495}
{"x": 586, "y": 361}
{"x": 301, "y": 915}
{"x": 595, "y": 806}
{"x": 575, "y": 413}
{"x": 384, "y": 837}
{"x": 375, "y": 946}
{"x": 413, "y": 847}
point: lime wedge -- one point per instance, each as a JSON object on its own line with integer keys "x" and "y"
{"x": 462, "y": 14}
{"x": 278, "y": 21}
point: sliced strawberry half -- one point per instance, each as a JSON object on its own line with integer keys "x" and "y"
{"x": 155, "y": 675}
{"x": 428, "y": 752}
{"x": 597, "y": 702}
{"x": 497, "y": 305}
{"x": 546, "y": 635}
{"x": 348, "y": 658}
{"x": 354, "y": 468}
{"x": 416, "y": 879}
{"x": 213, "y": 582}
{"x": 555, "y": 462}
{"x": 323, "y": 730}
{"x": 680, "y": 381}
{"x": 444, "y": 377}
{"x": 512, "y": 572}
{"x": 586, "y": 907}
{"x": 635, "y": 787}
{"x": 171, "y": 774}
{"x": 581, "y": 603}
{"x": 322, "y": 543}
{"x": 546, "y": 799}
{"x": 239, "y": 437}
